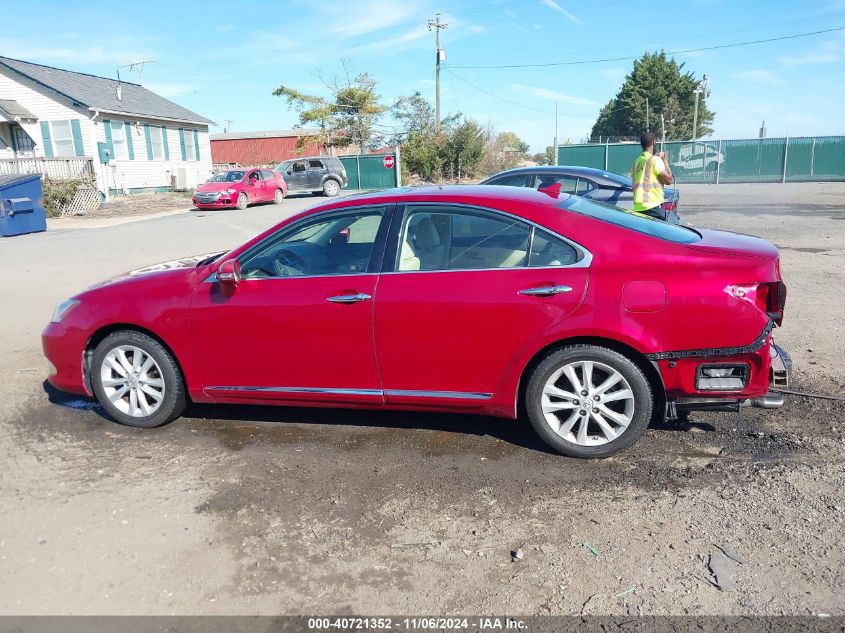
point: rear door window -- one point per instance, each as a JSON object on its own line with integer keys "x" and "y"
{"x": 267, "y": 174}
{"x": 315, "y": 164}
{"x": 568, "y": 184}
{"x": 516, "y": 180}
{"x": 584, "y": 186}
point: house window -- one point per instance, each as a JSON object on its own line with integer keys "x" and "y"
{"x": 118, "y": 140}
{"x": 156, "y": 142}
{"x": 190, "y": 149}
{"x": 21, "y": 141}
{"x": 62, "y": 139}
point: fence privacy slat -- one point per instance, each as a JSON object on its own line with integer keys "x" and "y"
{"x": 819, "y": 158}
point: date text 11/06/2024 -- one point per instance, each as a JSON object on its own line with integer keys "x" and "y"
{"x": 417, "y": 624}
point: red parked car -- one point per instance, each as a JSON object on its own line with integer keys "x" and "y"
{"x": 591, "y": 320}
{"x": 239, "y": 188}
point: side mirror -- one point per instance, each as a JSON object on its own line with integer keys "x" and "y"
{"x": 229, "y": 274}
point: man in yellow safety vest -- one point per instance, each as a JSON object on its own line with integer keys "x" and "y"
{"x": 649, "y": 173}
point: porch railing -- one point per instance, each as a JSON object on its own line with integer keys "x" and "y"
{"x": 77, "y": 168}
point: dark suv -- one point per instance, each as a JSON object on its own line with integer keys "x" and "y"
{"x": 315, "y": 174}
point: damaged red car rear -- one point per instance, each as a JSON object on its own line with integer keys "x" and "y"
{"x": 589, "y": 321}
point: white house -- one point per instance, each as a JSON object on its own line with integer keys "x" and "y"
{"x": 135, "y": 140}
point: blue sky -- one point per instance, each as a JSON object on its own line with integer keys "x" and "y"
{"x": 223, "y": 59}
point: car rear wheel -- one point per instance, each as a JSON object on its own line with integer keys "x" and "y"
{"x": 331, "y": 188}
{"x": 136, "y": 380}
{"x": 277, "y": 199}
{"x": 588, "y": 401}
{"x": 243, "y": 201}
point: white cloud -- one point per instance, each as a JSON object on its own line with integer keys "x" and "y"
{"x": 174, "y": 89}
{"x": 760, "y": 76}
{"x": 551, "y": 95}
{"x": 556, "y": 7}
{"x": 380, "y": 14}
{"x": 114, "y": 55}
{"x": 828, "y": 53}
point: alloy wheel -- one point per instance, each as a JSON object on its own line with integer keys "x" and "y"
{"x": 588, "y": 403}
{"x": 132, "y": 381}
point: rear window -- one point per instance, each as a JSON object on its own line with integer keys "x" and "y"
{"x": 631, "y": 220}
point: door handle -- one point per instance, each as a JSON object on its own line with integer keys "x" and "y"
{"x": 545, "y": 291}
{"x": 356, "y": 298}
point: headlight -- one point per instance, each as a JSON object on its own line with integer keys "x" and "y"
{"x": 230, "y": 191}
{"x": 63, "y": 308}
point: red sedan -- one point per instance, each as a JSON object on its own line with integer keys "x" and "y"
{"x": 590, "y": 320}
{"x": 239, "y": 188}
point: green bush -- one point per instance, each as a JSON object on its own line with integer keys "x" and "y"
{"x": 58, "y": 194}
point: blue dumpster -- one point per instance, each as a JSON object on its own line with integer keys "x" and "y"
{"x": 21, "y": 205}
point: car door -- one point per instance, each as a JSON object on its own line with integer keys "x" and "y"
{"x": 295, "y": 176}
{"x": 314, "y": 174}
{"x": 268, "y": 183}
{"x": 252, "y": 185}
{"x": 299, "y": 324}
{"x": 464, "y": 289}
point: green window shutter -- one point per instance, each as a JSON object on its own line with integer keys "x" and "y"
{"x": 48, "y": 143}
{"x": 197, "y": 144}
{"x": 107, "y": 129}
{"x": 76, "y": 131}
{"x": 164, "y": 142}
{"x": 182, "y": 143}
{"x": 149, "y": 140}
{"x": 129, "y": 148}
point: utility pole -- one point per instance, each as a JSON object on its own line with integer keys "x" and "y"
{"x": 701, "y": 88}
{"x": 436, "y": 24}
{"x": 228, "y": 127}
{"x": 555, "y": 148}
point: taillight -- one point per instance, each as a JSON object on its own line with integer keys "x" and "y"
{"x": 776, "y": 301}
{"x": 767, "y": 297}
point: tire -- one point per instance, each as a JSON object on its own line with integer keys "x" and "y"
{"x": 115, "y": 368}
{"x": 243, "y": 201}
{"x": 625, "y": 413}
{"x": 331, "y": 188}
{"x": 278, "y": 197}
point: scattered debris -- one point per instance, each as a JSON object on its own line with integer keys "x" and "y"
{"x": 590, "y": 548}
{"x": 587, "y": 606}
{"x": 625, "y": 592}
{"x": 723, "y": 570}
{"x": 727, "y": 551}
{"x": 517, "y": 555}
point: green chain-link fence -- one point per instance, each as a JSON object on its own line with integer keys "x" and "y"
{"x": 799, "y": 159}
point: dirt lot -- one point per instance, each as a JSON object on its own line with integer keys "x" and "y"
{"x": 261, "y": 510}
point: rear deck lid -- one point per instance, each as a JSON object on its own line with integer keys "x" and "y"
{"x": 727, "y": 243}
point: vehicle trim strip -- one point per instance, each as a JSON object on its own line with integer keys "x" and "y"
{"x": 460, "y": 395}
{"x": 321, "y": 390}
{"x": 409, "y": 393}
{"x": 716, "y": 351}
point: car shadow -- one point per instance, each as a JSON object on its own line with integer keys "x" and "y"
{"x": 516, "y": 432}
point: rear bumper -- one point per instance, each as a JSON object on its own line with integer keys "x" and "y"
{"x": 768, "y": 365}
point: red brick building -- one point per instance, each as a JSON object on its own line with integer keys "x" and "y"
{"x": 269, "y": 147}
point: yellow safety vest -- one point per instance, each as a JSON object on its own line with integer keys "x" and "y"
{"x": 648, "y": 190}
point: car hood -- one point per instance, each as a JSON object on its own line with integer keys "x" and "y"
{"x": 207, "y": 187}
{"x": 727, "y": 243}
{"x": 186, "y": 263}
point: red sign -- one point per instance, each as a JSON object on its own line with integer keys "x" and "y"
{"x": 388, "y": 162}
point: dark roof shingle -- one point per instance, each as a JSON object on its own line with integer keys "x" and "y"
{"x": 100, "y": 93}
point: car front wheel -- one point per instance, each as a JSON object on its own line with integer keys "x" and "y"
{"x": 136, "y": 380}
{"x": 243, "y": 201}
{"x": 588, "y": 401}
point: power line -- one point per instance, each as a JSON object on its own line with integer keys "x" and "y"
{"x": 495, "y": 96}
{"x": 689, "y": 50}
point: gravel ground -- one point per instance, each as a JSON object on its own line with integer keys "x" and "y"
{"x": 270, "y": 510}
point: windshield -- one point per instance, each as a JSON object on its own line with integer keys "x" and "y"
{"x": 631, "y": 220}
{"x": 228, "y": 176}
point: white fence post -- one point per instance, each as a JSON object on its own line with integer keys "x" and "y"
{"x": 718, "y": 161}
{"x": 813, "y": 158}
{"x": 785, "y": 156}
{"x": 606, "y": 146}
